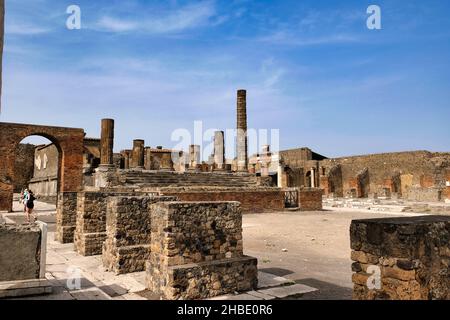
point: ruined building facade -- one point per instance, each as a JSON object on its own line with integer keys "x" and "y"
{"x": 416, "y": 175}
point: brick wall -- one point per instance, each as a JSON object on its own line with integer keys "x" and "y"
{"x": 401, "y": 258}
{"x": 252, "y": 200}
{"x": 310, "y": 199}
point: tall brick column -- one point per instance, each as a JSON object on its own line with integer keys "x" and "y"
{"x": 137, "y": 159}
{"x": 107, "y": 142}
{"x": 219, "y": 150}
{"x": 105, "y": 174}
{"x": 242, "y": 160}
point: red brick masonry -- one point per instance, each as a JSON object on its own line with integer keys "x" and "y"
{"x": 252, "y": 201}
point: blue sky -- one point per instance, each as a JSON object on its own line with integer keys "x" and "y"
{"x": 312, "y": 69}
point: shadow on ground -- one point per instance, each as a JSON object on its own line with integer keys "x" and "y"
{"x": 327, "y": 291}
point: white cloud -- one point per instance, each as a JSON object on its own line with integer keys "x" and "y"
{"x": 290, "y": 39}
{"x": 188, "y": 17}
{"x": 24, "y": 29}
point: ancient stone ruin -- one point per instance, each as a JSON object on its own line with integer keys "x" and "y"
{"x": 401, "y": 258}
{"x": 197, "y": 251}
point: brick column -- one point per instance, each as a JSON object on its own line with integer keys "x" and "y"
{"x": 219, "y": 150}
{"x": 137, "y": 159}
{"x": 107, "y": 142}
{"x": 242, "y": 148}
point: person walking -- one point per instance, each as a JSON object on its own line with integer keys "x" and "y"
{"x": 30, "y": 207}
{"x": 24, "y": 200}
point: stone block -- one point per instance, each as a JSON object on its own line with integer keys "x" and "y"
{"x": 412, "y": 253}
{"x": 196, "y": 251}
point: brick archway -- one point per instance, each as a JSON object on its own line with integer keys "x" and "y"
{"x": 69, "y": 142}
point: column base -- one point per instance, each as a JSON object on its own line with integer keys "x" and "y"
{"x": 89, "y": 244}
{"x": 202, "y": 280}
{"x": 122, "y": 260}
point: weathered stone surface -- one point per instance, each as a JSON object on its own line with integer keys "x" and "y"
{"x": 20, "y": 253}
{"x": 66, "y": 215}
{"x": 197, "y": 251}
{"x": 206, "y": 279}
{"x": 128, "y": 232}
{"x": 242, "y": 141}
{"x": 411, "y": 257}
{"x": 90, "y": 229}
{"x": 252, "y": 200}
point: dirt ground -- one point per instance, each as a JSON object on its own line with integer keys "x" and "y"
{"x": 311, "y": 248}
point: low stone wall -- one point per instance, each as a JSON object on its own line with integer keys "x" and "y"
{"x": 401, "y": 258}
{"x": 128, "y": 236}
{"x": 425, "y": 194}
{"x": 197, "y": 251}
{"x": 66, "y": 215}
{"x": 20, "y": 252}
{"x": 252, "y": 200}
{"x": 310, "y": 199}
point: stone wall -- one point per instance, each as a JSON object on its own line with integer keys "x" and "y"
{"x": 343, "y": 176}
{"x": 197, "y": 251}
{"x": 128, "y": 233}
{"x": 23, "y": 169}
{"x": 422, "y": 168}
{"x": 66, "y": 215}
{"x": 252, "y": 200}
{"x": 403, "y": 258}
{"x": 20, "y": 253}
{"x": 425, "y": 194}
{"x": 90, "y": 231}
{"x": 310, "y": 199}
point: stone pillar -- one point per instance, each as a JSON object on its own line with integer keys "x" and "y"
{"x": 107, "y": 142}
{"x": 313, "y": 178}
{"x": 242, "y": 159}
{"x": 126, "y": 158}
{"x": 128, "y": 237}
{"x": 148, "y": 158}
{"x": 198, "y": 260}
{"x": 194, "y": 156}
{"x": 105, "y": 174}
{"x": 282, "y": 177}
{"x": 219, "y": 150}
{"x": 137, "y": 158}
{"x": 66, "y": 217}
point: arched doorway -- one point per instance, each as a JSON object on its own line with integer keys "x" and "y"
{"x": 37, "y": 168}
{"x": 70, "y": 147}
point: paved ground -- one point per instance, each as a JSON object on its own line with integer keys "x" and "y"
{"x": 309, "y": 248}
